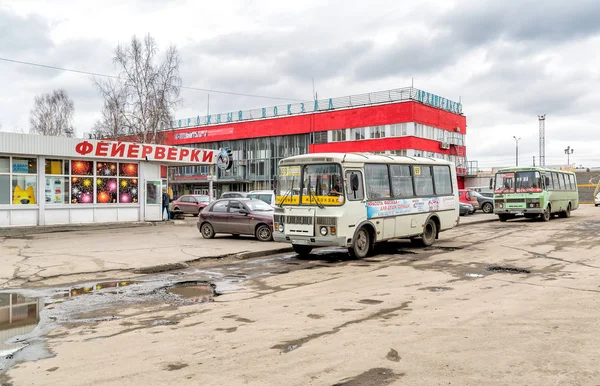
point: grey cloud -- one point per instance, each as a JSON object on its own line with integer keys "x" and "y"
{"x": 550, "y": 22}
{"x": 19, "y": 34}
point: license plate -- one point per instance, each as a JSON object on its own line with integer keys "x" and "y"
{"x": 300, "y": 242}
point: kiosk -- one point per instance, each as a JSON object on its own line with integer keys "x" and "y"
{"x": 57, "y": 180}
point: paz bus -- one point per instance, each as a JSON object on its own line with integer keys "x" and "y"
{"x": 534, "y": 192}
{"x": 355, "y": 200}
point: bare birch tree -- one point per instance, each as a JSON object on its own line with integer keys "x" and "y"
{"x": 52, "y": 114}
{"x": 112, "y": 121}
{"x": 147, "y": 93}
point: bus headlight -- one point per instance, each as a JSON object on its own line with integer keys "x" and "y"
{"x": 280, "y": 227}
{"x": 501, "y": 206}
{"x": 323, "y": 231}
{"x": 531, "y": 205}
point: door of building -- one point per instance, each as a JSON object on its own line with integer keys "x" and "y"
{"x": 153, "y": 201}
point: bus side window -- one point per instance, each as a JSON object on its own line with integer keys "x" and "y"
{"x": 573, "y": 182}
{"x": 359, "y": 193}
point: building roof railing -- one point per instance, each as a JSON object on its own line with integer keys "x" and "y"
{"x": 320, "y": 105}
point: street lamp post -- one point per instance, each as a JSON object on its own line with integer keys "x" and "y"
{"x": 568, "y": 152}
{"x": 517, "y": 149}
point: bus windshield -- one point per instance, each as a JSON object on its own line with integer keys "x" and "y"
{"x": 319, "y": 184}
{"x": 519, "y": 182}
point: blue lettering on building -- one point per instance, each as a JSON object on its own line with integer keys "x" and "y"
{"x": 330, "y": 103}
{"x": 264, "y": 112}
{"x": 179, "y": 123}
{"x": 302, "y": 108}
{"x": 198, "y": 120}
{"x": 240, "y": 115}
{"x": 275, "y": 111}
{"x": 289, "y": 109}
{"x": 229, "y": 117}
{"x": 218, "y": 118}
{"x": 208, "y": 120}
{"x": 316, "y": 105}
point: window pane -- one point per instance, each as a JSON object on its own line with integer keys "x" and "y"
{"x": 234, "y": 206}
{"x": 128, "y": 190}
{"x": 56, "y": 166}
{"x": 378, "y": 181}
{"x": 219, "y": 207}
{"x": 106, "y": 190}
{"x": 573, "y": 182}
{"x": 266, "y": 198}
{"x": 24, "y": 190}
{"x": 82, "y": 168}
{"x": 82, "y": 190}
{"x": 443, "y": 181}
{"x": 402, "y": 185}
{"x": 4, "y": 165}
{"x": 24, "y": 165}
{"x": 423, "y": 180}
{"x": 5, "y": 190}
{"x": 359, "y": 193}
{"x": 128, "y": 170}
{"x": 565, "y": 182}
{"x": 106, "y": 169}
{"x": 152, "y": 197}
{"x": 57, "y": 190}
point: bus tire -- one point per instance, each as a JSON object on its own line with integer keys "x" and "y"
{"x": 503, "y": 217}
{"x": 547, "y": 214}
{"x": 567, "y": 212}
{"x": 362, "y": 245}
{"x": 302, "y": 250}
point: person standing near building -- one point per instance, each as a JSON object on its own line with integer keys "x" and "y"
{"x": 165, "y": 205}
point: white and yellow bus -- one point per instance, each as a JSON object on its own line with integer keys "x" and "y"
{"x": 356, "y": 200}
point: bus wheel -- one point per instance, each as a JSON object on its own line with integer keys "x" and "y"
{"x": 567, "y": 212}
{"x": 503, "y": 217}
{"x": 429, "y": 233}
{"x": 362, "y": 244}
{"x": 302, "y": 250}
{"x": 547, "y": 215}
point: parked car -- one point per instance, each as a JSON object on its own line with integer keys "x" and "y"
{"x": 597, "y": 200}
{"x": 190, "y": 204}
{"x": 465, "y": 208}
{"x": 486, "y": 204}
{"x": 468, "y": 197}
{"x": 237, "y": 216}
{"x": 267, "y": 196}
{"x": 234, "y": 194}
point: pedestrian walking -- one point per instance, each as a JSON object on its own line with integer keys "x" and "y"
{"x": 166, "y": 200}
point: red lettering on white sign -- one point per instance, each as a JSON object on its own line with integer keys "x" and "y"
{"x": 172, "y": 154}
{"x": 102, "y": 149}
{"x": 133, "y": 150}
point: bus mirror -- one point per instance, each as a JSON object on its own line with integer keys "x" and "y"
{"x": 491, "y": 183}
{"x": 354, "y": 182}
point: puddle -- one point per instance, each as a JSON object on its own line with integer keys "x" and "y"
{"x": 496, "y": 268}
{"x": 376, "y": 376}
{"x": 194, "y": 291}
{"x": 473, "y": 275}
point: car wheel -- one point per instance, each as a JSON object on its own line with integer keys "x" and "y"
{"x": 207, "y": 230}
{"x": 263, "y": 233}
{"x": 487, "y": 208}
{"x": 362, "y": 244}
{"x": 302, "y": 250}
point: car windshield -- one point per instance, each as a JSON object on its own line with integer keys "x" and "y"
{"x": 202, "y": 198}
{"x": 258, "y": 206}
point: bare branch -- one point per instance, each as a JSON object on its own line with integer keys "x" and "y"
{"x": 52, "y": 114}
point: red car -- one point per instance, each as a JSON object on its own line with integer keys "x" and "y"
{"x": 467, "y": 196}
{"x": 237, "y": 216}
{"x": 190, "y": 204}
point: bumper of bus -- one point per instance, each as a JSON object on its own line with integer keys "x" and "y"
{"x": 313, "y": 241}
{"x": 518, "y": 210}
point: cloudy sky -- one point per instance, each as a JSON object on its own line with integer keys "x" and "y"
{"x": 508, "y": 61}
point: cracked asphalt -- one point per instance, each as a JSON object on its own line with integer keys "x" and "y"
{"x": 494, "y": 304}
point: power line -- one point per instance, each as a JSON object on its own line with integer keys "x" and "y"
{"x": 116, "y": 77}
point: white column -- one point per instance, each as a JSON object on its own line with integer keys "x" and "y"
{"x": 41, "y": 190}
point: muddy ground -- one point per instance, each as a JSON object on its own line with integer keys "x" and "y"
{"x": 494, "y": 304}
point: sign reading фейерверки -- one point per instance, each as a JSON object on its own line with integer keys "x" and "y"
{"x": 397, "y": 95}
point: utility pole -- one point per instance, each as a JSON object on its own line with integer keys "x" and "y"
{"x": 542, "y": 122}
{"x": 568, "y": 152}
{"x": 533, "y": 160}
{"x": 517, "y": 150}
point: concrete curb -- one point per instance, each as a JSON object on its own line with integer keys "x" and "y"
{"x": 41, "y": 229}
